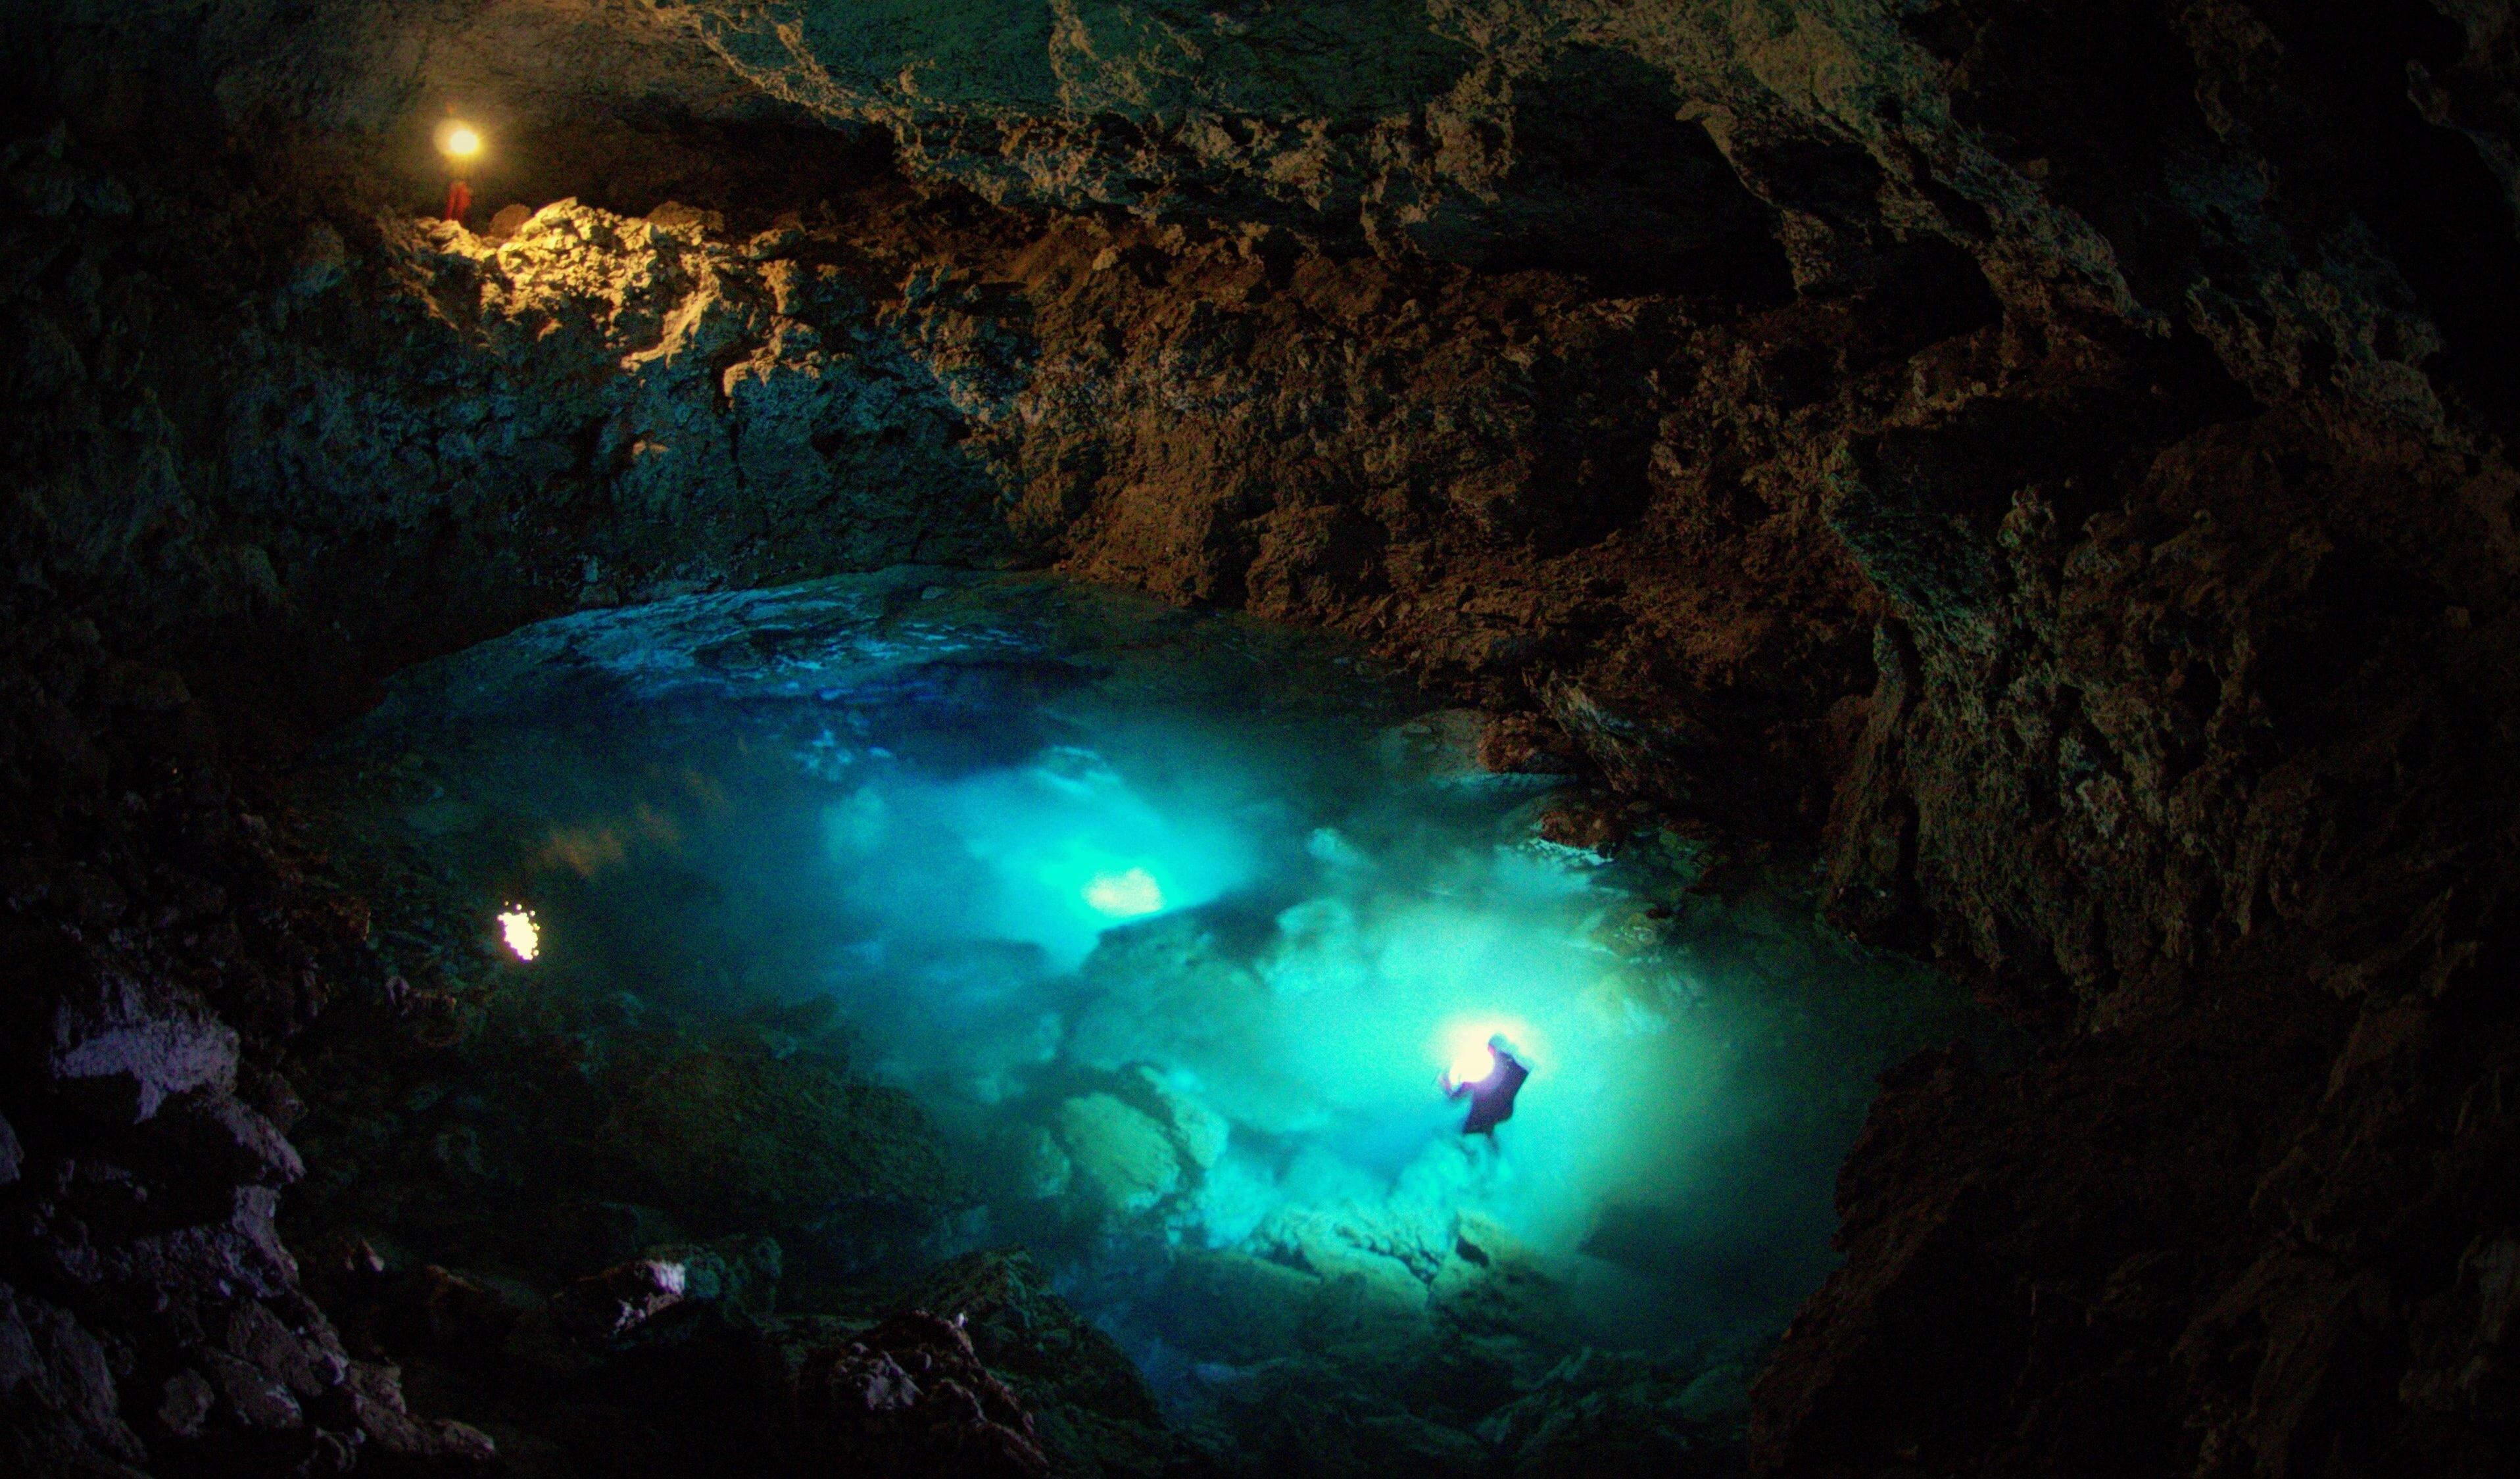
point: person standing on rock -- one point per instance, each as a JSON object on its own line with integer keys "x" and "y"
{"x": 461, "y": 142}
{"x": 1491, "y": 1097}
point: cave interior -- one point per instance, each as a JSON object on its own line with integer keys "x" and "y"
{"x": 772, "y": 736}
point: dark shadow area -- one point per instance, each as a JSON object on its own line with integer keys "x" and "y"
{"x": 1609, "y": 184}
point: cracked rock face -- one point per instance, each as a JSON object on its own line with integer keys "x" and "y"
{"x": 2053, "y": 456}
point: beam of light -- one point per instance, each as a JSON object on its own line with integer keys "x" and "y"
{"x": 1463, "y": 1045}
{"x": 458, "y": 141}
{"x": 517, "y": 927}
{"x": 1125, "y": 895}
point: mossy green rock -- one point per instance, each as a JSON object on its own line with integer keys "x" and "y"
{"x": 745, "y": 1140}
{"x": 1093, "y": 1410}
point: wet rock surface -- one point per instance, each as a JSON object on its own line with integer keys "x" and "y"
{"x": 910, "y": 1396}
{"x": 980, "y": 1368}
{"x": 2064, "y": 448}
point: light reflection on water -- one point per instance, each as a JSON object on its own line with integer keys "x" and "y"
{"x": 1172, "y": 924}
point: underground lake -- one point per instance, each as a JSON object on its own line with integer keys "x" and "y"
{"x": 803, "y": 941}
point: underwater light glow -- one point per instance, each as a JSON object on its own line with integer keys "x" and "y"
{"x": 517, "y": 927}
{"x": 1163, "y": 951}
{"x": 1125, "y": 895}
{"x": 1049, "y": 853}
{"x": 1464, "y": 1045}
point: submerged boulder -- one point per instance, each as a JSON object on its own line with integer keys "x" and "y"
{"x": 1612, "y": 1417}
{"x": 730, "y": 1140}
{"x": 911, "y": 1397}
{"x": 1092, "y": 1409}
{"x": 1036, "y": 1169}
{"x": 678, "y": 1307}
{"x": 1199, "y": 1132}
{"x": 1125, "y": 1153}
{"x": 617, "y": 1302}
{"x": 980, "y": 1369}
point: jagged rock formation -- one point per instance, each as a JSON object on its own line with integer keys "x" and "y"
{"x": 149, "y": 1289}
{"x": 2062, "y": 447}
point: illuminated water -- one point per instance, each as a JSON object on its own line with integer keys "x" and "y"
{"x": 1170, "y": 923}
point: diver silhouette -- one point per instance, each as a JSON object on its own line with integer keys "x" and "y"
{"x": 1491, "y": 1097}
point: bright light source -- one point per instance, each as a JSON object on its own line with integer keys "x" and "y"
{"x": 458, "y": 141}
{"x": 1463, "y": 1045}
{"x": 1125, "y": 895}
{"x": 517, "y": 927}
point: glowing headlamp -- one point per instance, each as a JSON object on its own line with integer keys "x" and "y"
{"x": 1472, "y": 1045}
{"x": 457, "y": 140}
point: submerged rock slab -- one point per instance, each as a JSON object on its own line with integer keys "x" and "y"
{"x": 745, "y": 1141}
{"x": 1125, "y": 1153}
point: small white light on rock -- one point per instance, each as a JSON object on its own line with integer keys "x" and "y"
{"x": 522, "y": 935}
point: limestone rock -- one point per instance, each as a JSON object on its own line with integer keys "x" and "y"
{"x": 123, "y": 1054}
{"x": 186, "y": 1408}
{"x": 739, "y": 1273}
{"x": 307, "y": 1361}
{"x": 1597, "y": 1415}
{"x": 386, "y": 1421}
{"x": 1122, "y": 1152}
{"x": 257, "y": 1400}
{"x": 616, "y": 1302}
{"x": 1042, "y": 1170}
{"x": 58, "y": 1404}
{"x": 217, "y": 1132}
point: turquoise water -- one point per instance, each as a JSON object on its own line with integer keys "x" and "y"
{"x": 1168, "y": 922}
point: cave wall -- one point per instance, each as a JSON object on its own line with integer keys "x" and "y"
{"x": 2053, "y": 453}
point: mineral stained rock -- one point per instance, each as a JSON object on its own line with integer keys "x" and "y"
{"x": 2056, "y": 453}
